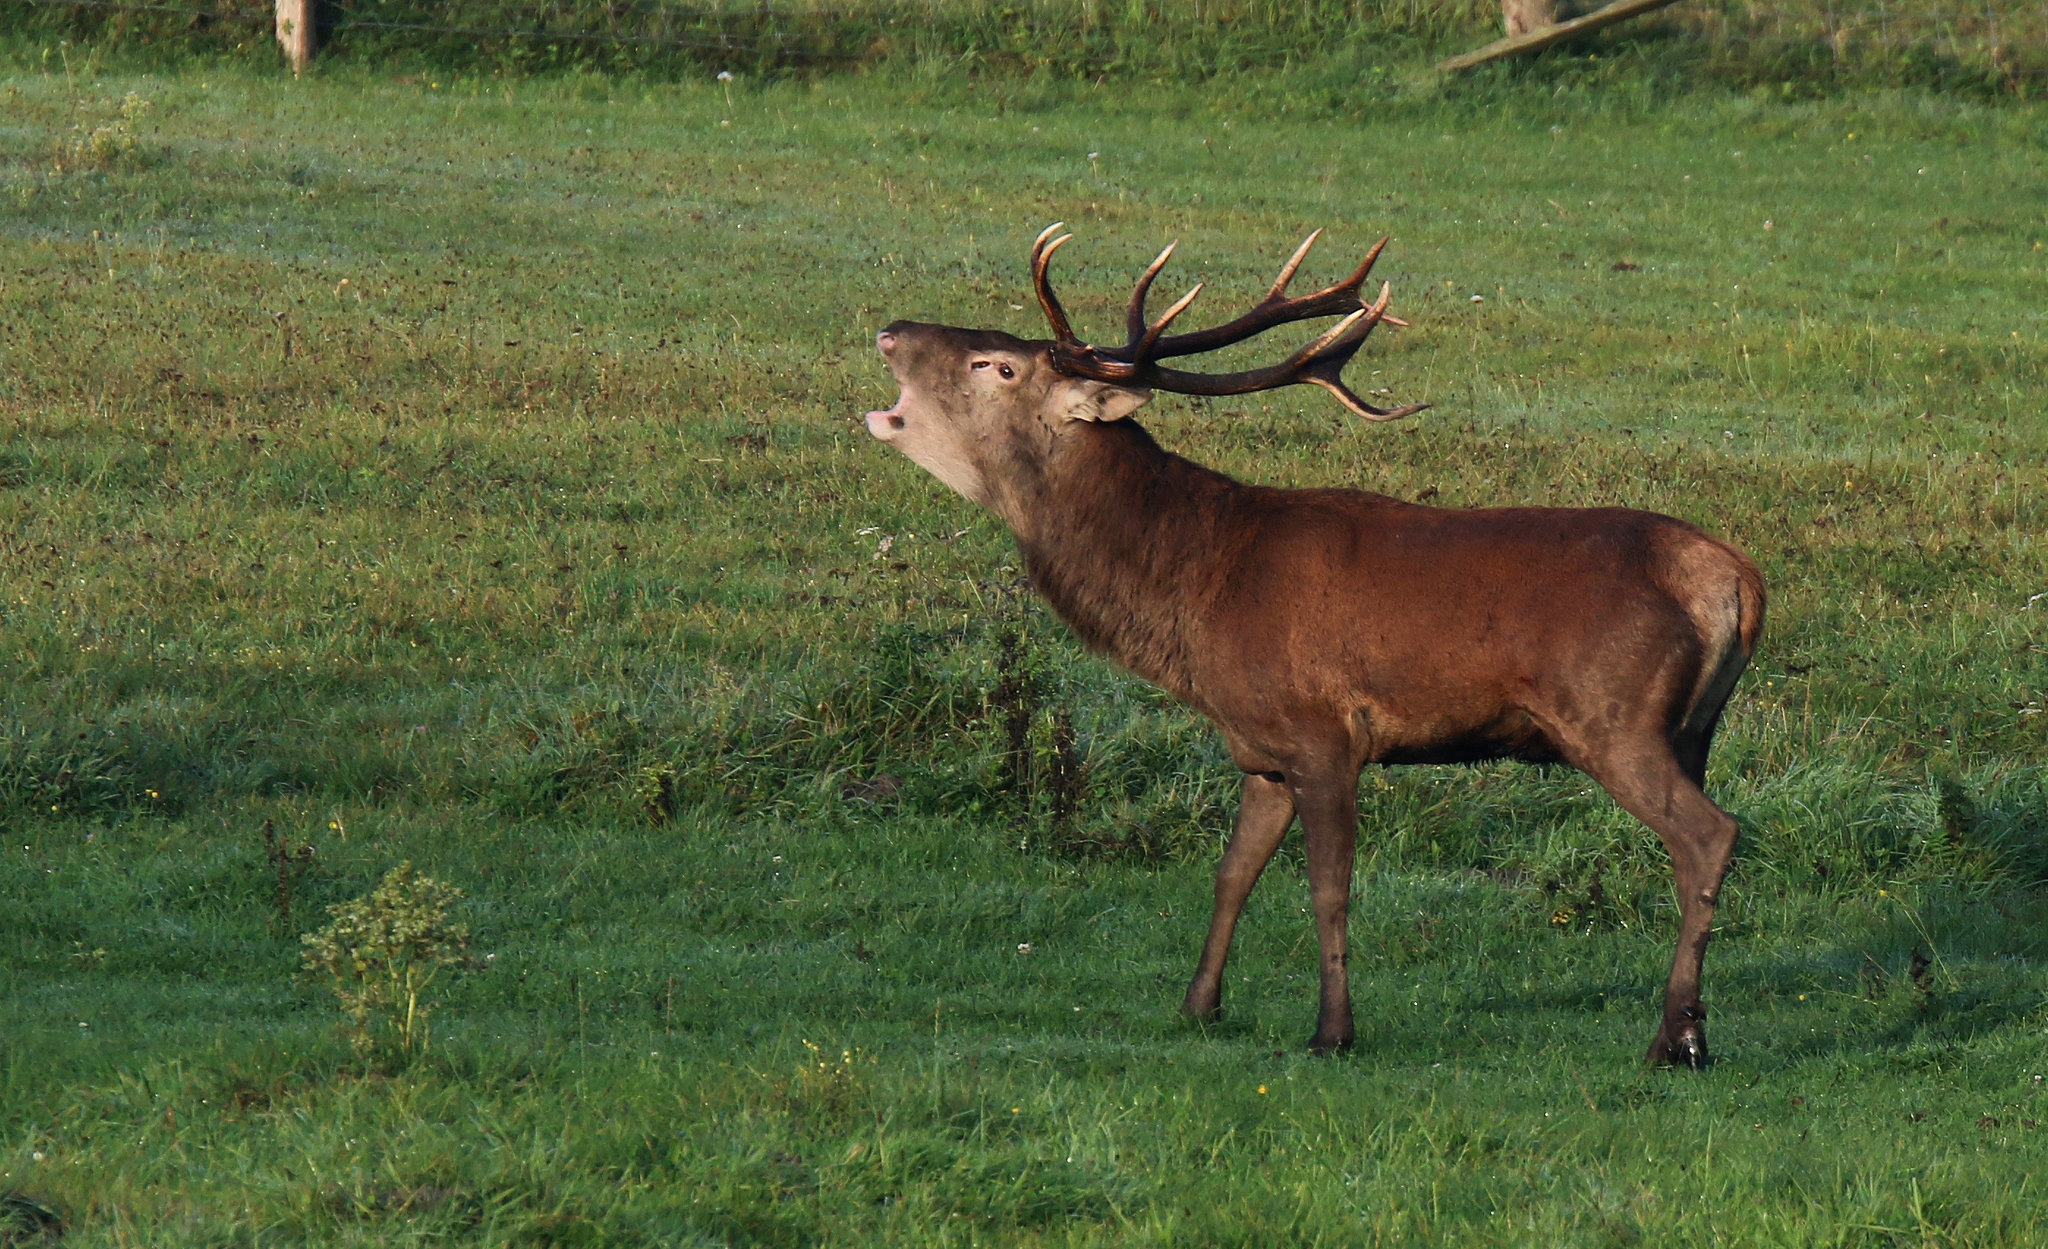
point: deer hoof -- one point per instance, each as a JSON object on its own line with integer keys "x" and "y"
{"x": 1323, "y": 1048}
{"x": 1687, "y": 1049}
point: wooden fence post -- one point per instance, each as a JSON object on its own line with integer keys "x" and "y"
{"x": 295, "y": 32}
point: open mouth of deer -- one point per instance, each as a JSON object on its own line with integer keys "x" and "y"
{"x": 882, "y": 424}
{"x": 890, "y": 420}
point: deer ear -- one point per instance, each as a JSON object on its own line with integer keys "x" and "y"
{"x": 1078, "y": 399}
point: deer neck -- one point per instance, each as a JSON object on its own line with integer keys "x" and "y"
{"x": 1122, "y": 541}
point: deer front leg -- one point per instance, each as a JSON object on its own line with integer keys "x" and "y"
{"x": 1329, "y": 819}
{"x": 1263, "y": 814}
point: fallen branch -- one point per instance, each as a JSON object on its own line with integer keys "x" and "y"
{"x": 1537, "y": 40}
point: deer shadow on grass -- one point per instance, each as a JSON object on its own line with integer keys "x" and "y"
{"x": 1945, "y": 970}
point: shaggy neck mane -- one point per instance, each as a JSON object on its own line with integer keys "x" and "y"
{"x": 1124, "y": 543}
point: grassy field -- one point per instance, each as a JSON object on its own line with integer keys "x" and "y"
{"x": 1984, "y": 48}
{"x": 467, "y": 472}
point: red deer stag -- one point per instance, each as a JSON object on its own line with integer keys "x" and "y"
{"x": 1323, "y": 630}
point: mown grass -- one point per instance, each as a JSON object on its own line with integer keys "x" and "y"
{"x": 466, "y": 471}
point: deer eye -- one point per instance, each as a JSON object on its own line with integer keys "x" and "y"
{"x": 981, "y": 364}
{"x": 1006, "y": 371}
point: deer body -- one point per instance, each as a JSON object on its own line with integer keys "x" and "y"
{"x": 1324, "y": 630}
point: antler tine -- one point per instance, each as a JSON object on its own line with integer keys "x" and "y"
{"x": 1041, "y": 264}
{"x": 1331, "y": 335}
{"x": 1327, "y": 369}
{"x": 1359, "y": 407}
{"x": 1357, "y": 278}
{"x": 1141, "y": 349}
{"x": 1352, "y": 330}
{"x": 1279, "y": 287}
{"x": 1134, "y": 316}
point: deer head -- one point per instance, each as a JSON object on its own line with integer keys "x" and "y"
{"x": 983, "y": 411}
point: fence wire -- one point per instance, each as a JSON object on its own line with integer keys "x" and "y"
{"x": 589, "y": 36}
{"x": 123, "y": 7}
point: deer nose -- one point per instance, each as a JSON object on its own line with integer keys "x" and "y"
{"x": 885, "y": 342}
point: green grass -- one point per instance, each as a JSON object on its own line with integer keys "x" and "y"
{"x": 468, "y": 471}
{"x": 1989, "y": 48}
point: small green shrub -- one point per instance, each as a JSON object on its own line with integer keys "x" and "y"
{"x": 383, "y": 951}
{"x": 102, "y": 143}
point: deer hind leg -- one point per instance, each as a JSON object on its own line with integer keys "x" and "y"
{"x": 1263, "y": 815}
{"x": 1657, "y": 788}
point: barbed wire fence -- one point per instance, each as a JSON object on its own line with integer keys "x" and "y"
{"x": 1989, "y": 42}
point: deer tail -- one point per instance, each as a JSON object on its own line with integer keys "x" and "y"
{"x": 1749, "y": 602}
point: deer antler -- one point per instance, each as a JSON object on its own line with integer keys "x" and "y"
{"x": 1320, "y": 363}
